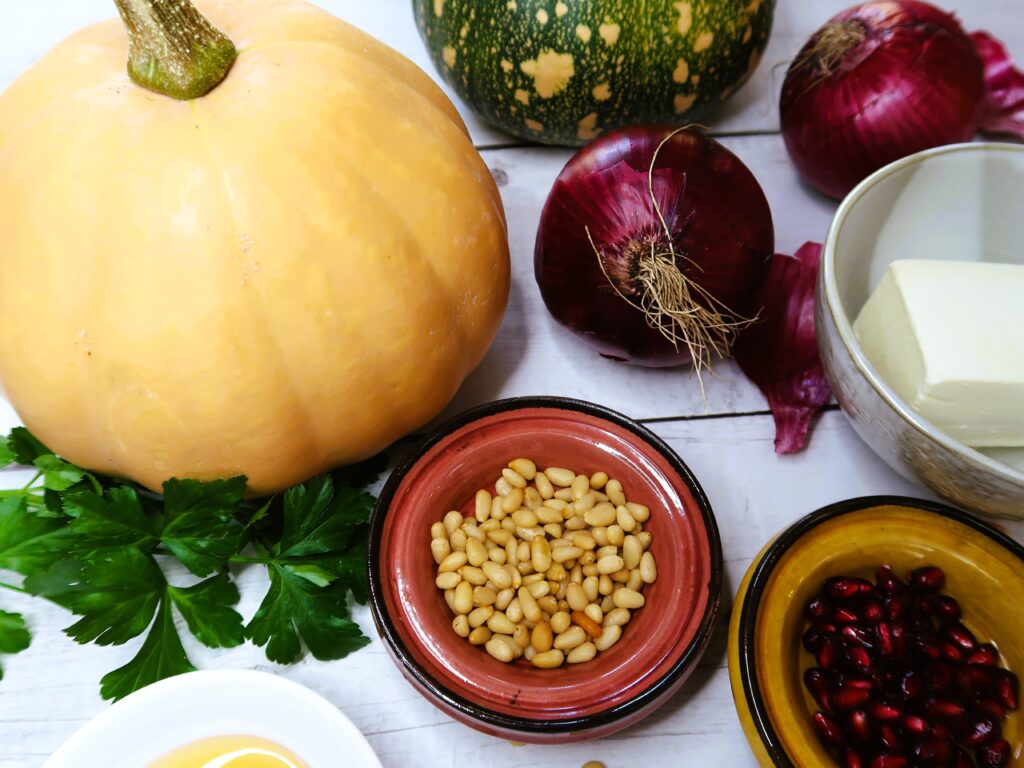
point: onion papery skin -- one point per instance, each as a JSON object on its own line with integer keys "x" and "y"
{"x": 914, "y": 82}
{"x": 718, "y": 214}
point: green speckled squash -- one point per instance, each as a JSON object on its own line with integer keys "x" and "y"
{"x": 565, "y": 71}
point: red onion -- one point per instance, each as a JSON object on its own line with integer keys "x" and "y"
{"x": 878, "y": 82}
{"x": 780, "y": 353}
{"x": 652, "y": 244}
{"x": 1004, "y": 86}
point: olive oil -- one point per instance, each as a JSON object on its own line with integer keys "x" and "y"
{"x": 230, "y": 752}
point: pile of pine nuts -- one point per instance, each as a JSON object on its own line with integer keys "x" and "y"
{"x": 548, "y": 569}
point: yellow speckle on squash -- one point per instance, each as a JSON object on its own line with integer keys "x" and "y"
{"x": 551, "y": 72}
{"x": 464, "y": 31}
{"x": 609, "y": 32}
{"x": 747, "y": 33}
{"x": 511, "y": 5}
{"x": 533, "y": 125}
{"x": 542, "y": 16}
{"x": 695, "y": 79}
{"x": 683, "y": 102}
{"x": 506, "y": 65}
{"x": 602, "y": 92}
{"x": 704, "y": 40}
{"x": 585, "y": 128}
{"x": 449, "y": 55}
{"x": 561, "y": 9}
{"x": 685, "y": 17}
{"x": 754, "y": 7}
{"x": 583, "y": 32}
{"x": 522, "y": 96}
{"x": 681, "y": 72}
{"x": 438, "y": 7}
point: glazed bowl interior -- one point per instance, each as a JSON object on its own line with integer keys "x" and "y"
{"x": 957, "y": 203}
{"x": 662, "y": 640}
{"x": 984, "y": 571}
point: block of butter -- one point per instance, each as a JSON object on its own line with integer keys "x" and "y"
{"x": 948, "y": 337}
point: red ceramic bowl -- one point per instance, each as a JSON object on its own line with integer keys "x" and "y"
{"x": 659, "y": 647}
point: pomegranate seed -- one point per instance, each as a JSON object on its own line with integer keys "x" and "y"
{"x": 858, "y": 657}
{"x": 848, "y": 697}
{"x": 924, "y": 604}
{"x": 984, "y": 655}
{"x": 989, "y": 708}
{"x": 887, "y": 580}
{"x": 914, "y": 725}
{"x": 842, "y": 587}
{"x": 843, "y": 615}
{"x": 885, "y": 646}
{"x": 974, "y": 680}
{"x": 857, "y": 725}
{"x": 899, "y": 640}
{"x": 860, "y": 636}
{"x": 926, "y": 642}
{"x": 994, "y": 755}
{"x": 828, "y": 730}
{"x": 982, "y": 732}
{"x": 883, "y": 712}
{"x": 946, "y": 608}
{"x": 851, "y": 759}
{"x": 873, "y": 611}
{"x": 828, "y": 651}
{"x": 888, "y": 739}
{"x": 927, "y": 579}
{"x": 940, "y": 732}
{"x": 951, "y": 652}
{"x": 946, "y": 710}
{"x": 939, "y": 677}
{"x": 812, "y": 638}
{"x": 962, "y": 759}
{"x": 1008, "y": 689}
{"x": 960, "y": 635}
{"x": 894, "y": 606}
{"x": 933, "y": 752}
{"x": 911, "y": 685}
{"x": 818, "y": 609}
{"x": 889, "y": 761}
{"x": 857, "y": 682}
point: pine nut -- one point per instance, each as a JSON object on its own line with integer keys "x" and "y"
{"x": 447, "y": 580}
{"x": 587, "y": 624}
{"x": 601, "y": 515}
{"x": 440, "y": 549}
{"x": 593, "y": 610}
{"x": 553, "y": 529}
{"x": 575, "y": 524}
{"x": 584, "y": 504}
{"x": 580, "y": 487}
{"x": 598, "y": 480}
{"x": 576, "y": 597}
{"x": 627, "y": 598}
{"x": 639, "y": 512}
{"x": 497, "y": 555}
{"x": 605, "y": 586}
{"x": 542, "y": 637}
{"x": 544, "y": 487}
{"x": 607, "y": 604}
{"x": 576, "y": 575}
{"x": 500, "y": 577}
{"x": 529, "y": 652}
{"x": 513, "y": 478}
{"x": 549, "y": 659}
{"x": 514, "y": 612}
{"x": 452, "y": 521}
{"x": 503, "y": 598}
{"x": 473, "y": 533}
{"x": 521, "y": 636}
{"x": 528, "y": 604}
{"x": 560, "y": 476}
{"x": 636, "y": 581}
{"x": 503, "y": 487}
{"x": 624, "y": 519}
{"x": 524, "y": 467}
{"x": 484, "y": 596}
{"x": 463, "y": 601}
{"x": 582, "y": 653}
{"x": 560, "y": 622}
{"x": 476, "y": 552}
{"x": 565, "y": 554}
{"x": 497, "y": 513}
{"x": 458, "y": 540}
{"x": 565, "y": 494}
{"x": 548, "y": 516}
{"x": 599, "y": 496}
{"x": 533, "y": 578}
{"x": 572, "y": 637}
{"x": 548, "y": 603}
{"x": 590, "y": 587}
{"x": 513, "y": 500}
{"x": 499, "y": 649}
{"x": 616, "y": 617}
{"x": 609, "y": 637}
{"x": 489, "y": 525}
{"x": 500, "y": 537}
{"x": 482, "y": 506}
{"x": 479, "y": 616}
{"x": 589, "y": 570}
{"x": 614, "y": 490}
{"x": 556, "y": 504}
{"x": 609, "y": 564}
{"x": 631, "y": 552}
{"x": 438, "y": 531}
{"x": 532, "y": 499}
{"x": 461, "y": 626}
{"x": 500, "y": 623}
{"x": 480, "y": 635}
{"x": 648, "y": 568}
{"x": 616, "y": 535}
{"x": 583, "y": 540}
{"x": 620, "y": 577}
{"x": 645, "y": 539}
{"x": 449, "y": 598}
{"x": 600, "y": 535}
{"x": 539, "y": 588}
{"x": 453, "y": 562}
{"x": 593, "y": 764}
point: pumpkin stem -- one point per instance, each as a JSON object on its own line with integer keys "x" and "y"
{"x": 173, "y": 49}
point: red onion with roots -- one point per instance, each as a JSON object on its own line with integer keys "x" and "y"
{"x": 652, "y": 245}
{"x": 878, "y": 82}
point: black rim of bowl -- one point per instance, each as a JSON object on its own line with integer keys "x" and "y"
{"x": 766, "y": 566}
{"x": 386, "y": 628}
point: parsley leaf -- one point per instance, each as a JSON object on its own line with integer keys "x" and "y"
{"x": 115, "y": 592}
{"x": 58, "y": 475}
{"x": 113, "y": 520}
{"x": 319, "y": 518}
{"x": 297, "y": 609}
{"x": 161, "y": 656}
{"x": 14, "y": 635}
{"x": 25, "y": 447}
{"x": 29, "y": 543}
{"x": 6, "y": 454}
{"x": 207, "y": 609}
{"x": 199, "y": 522}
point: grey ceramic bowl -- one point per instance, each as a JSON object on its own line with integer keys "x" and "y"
{"x": 960, "y": 202}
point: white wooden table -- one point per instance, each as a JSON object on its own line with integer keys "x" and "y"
{"x": 52, "y": 689}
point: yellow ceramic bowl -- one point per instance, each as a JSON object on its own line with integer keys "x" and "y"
{"x": 984, "y": 571}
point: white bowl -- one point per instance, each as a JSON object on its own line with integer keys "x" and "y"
{"x": 960, "y": 202}
{"x": 180, "y": 710}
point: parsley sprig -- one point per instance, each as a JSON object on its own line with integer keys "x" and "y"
{"x": 102, "y": 548}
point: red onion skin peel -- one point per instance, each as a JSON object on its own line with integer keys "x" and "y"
{"x": 600, "y": 223}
